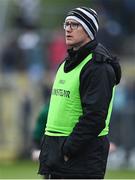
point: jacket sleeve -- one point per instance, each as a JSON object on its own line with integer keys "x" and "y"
{"x": 96, "y": 85}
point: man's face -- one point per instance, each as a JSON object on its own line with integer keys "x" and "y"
{"x": 75, "y": 34}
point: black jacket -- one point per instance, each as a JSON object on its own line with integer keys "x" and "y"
{"x": 97, "y": 80}
{"x": 86, "y": 151}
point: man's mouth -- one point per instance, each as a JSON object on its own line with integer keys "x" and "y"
{"x": 68, "y": 36}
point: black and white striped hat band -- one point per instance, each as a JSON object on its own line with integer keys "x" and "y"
{"x": 87, "y": 17}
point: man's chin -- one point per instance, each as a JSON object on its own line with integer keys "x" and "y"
{"x": 69, "y": 44}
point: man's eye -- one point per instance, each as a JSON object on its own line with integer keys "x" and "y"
{"x": 74, "y": 24}
{"x": 67, "y": 24}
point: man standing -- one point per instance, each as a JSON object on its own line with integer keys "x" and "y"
{"x": 75, "y": 144}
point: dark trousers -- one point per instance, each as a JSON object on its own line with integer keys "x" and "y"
{"x": 91, "y": 165}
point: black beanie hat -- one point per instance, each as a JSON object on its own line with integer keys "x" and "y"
{"x": 87, "y": 17}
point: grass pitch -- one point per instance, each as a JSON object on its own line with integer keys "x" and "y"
{"x": 28, "y": 170}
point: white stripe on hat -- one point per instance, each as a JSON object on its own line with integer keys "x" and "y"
{"x": 87, "y": 20}
{"x": 83, "y": 24}
{"x": 90, "y": 16}
{"x": 93, "y": 11}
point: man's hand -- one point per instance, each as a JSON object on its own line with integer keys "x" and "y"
{"x": 66, "y": 158}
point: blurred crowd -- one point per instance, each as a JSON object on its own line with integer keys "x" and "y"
{"x": 30, "y": 47}
{"x": 36, "y": 51}
{"x": 118, "y": 32}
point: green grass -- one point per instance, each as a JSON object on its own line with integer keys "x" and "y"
{"x": 120, "y": 174}
{"x": 28, "y": 170}
{"x": 19, "y": 170}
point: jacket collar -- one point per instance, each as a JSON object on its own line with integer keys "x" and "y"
{"x": 75, "y": 57}
{"x": 83, "y": 51}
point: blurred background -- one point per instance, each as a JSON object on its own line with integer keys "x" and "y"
{"x": 31, "y": 47}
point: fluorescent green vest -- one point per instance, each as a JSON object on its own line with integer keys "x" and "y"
{"x": 65, "y": 104}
